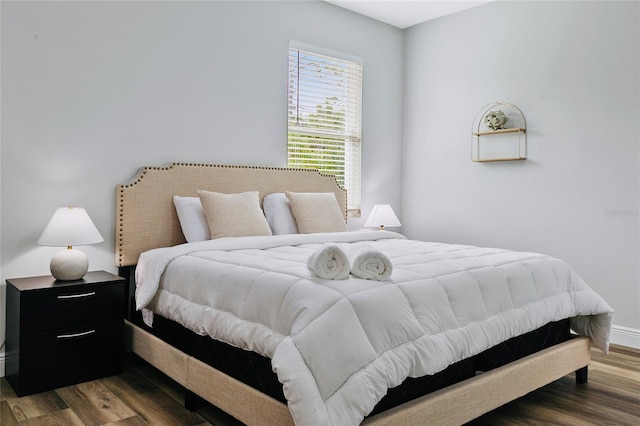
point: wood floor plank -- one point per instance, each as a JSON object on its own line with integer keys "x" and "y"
{"x": 35, "y": 405}
{"x": 131, "y": 421}
{"x": 94, "y": 403}
{"x": 152, "y": 404}
{"x": 6, "y": 416}
{"x": 64, "y": 417}
{"x": 624, "y": 350}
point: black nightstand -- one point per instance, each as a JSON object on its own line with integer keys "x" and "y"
{"x": 63, "y": 332}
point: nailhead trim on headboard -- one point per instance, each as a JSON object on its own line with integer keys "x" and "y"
{"x": 135, "y": 211}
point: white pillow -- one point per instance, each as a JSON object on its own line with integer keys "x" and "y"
{"x": 279, "y": 215}
{"x": 234, "y": 215}
{"x": 192, "y": 219}
{"x": 316, "y": 212}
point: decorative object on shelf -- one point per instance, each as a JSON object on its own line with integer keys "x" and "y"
{"x": 382, "y": 215}
{"x": 69, "y": 226}
{"x": 492, "y": 140}
{"x": 495, "y": 120}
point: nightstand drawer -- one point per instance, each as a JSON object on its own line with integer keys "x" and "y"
{"x": 63, "y": 357}
{"x": 60, "y": 308}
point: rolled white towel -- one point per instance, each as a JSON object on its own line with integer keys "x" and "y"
{"x": 330, "y": 262}
{"x": 368, "y": 263}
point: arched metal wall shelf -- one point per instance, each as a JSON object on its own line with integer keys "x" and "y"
{"x": 499, "y": 134}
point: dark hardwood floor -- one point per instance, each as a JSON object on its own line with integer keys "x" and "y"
{"x": 141, "y": 395}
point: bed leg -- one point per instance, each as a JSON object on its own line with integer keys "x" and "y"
{"x": 582, "y": 375}
{"x": 191, "y": 400}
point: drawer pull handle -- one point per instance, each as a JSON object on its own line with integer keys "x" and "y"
{"x": 71, "y": 336}
{"x": 76, "y": 296}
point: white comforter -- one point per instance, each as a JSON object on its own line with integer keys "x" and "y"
{"x": 337, "y": 346}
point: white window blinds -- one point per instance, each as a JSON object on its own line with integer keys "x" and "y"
{"x": 325, "y": 117}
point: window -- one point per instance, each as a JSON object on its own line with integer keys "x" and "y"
{"x": 325, "y": 117}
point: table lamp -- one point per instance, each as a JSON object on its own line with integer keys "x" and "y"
{"x": 69, "y": 226}
{"x": 382, "y": 215}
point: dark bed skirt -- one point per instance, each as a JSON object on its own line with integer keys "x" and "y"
{"x": 255, "y": 370}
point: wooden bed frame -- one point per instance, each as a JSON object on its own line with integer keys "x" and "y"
{"x": 146, "y": 219}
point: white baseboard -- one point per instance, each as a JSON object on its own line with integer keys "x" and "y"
{"x": 625, "y": 336}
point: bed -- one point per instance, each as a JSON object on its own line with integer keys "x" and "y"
{"x": 412, "y": 372}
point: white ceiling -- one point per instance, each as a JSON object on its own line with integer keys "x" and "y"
{"x": 405, "y": 13}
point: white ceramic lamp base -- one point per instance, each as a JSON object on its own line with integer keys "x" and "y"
{"x": 69, "y": 264}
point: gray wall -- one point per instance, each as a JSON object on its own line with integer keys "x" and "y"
{"x": 573, "y": 69}
{"x": 91, "y": 91}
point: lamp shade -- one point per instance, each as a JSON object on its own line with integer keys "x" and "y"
{"x": 381, "y": 216}
{"x": 70, "y": 226}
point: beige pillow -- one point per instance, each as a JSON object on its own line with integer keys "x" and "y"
{"x": 234, "y": 215}
{"x": 316, "y": 212}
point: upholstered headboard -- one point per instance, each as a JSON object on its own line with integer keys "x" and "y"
{"x": 145, "y": 214}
